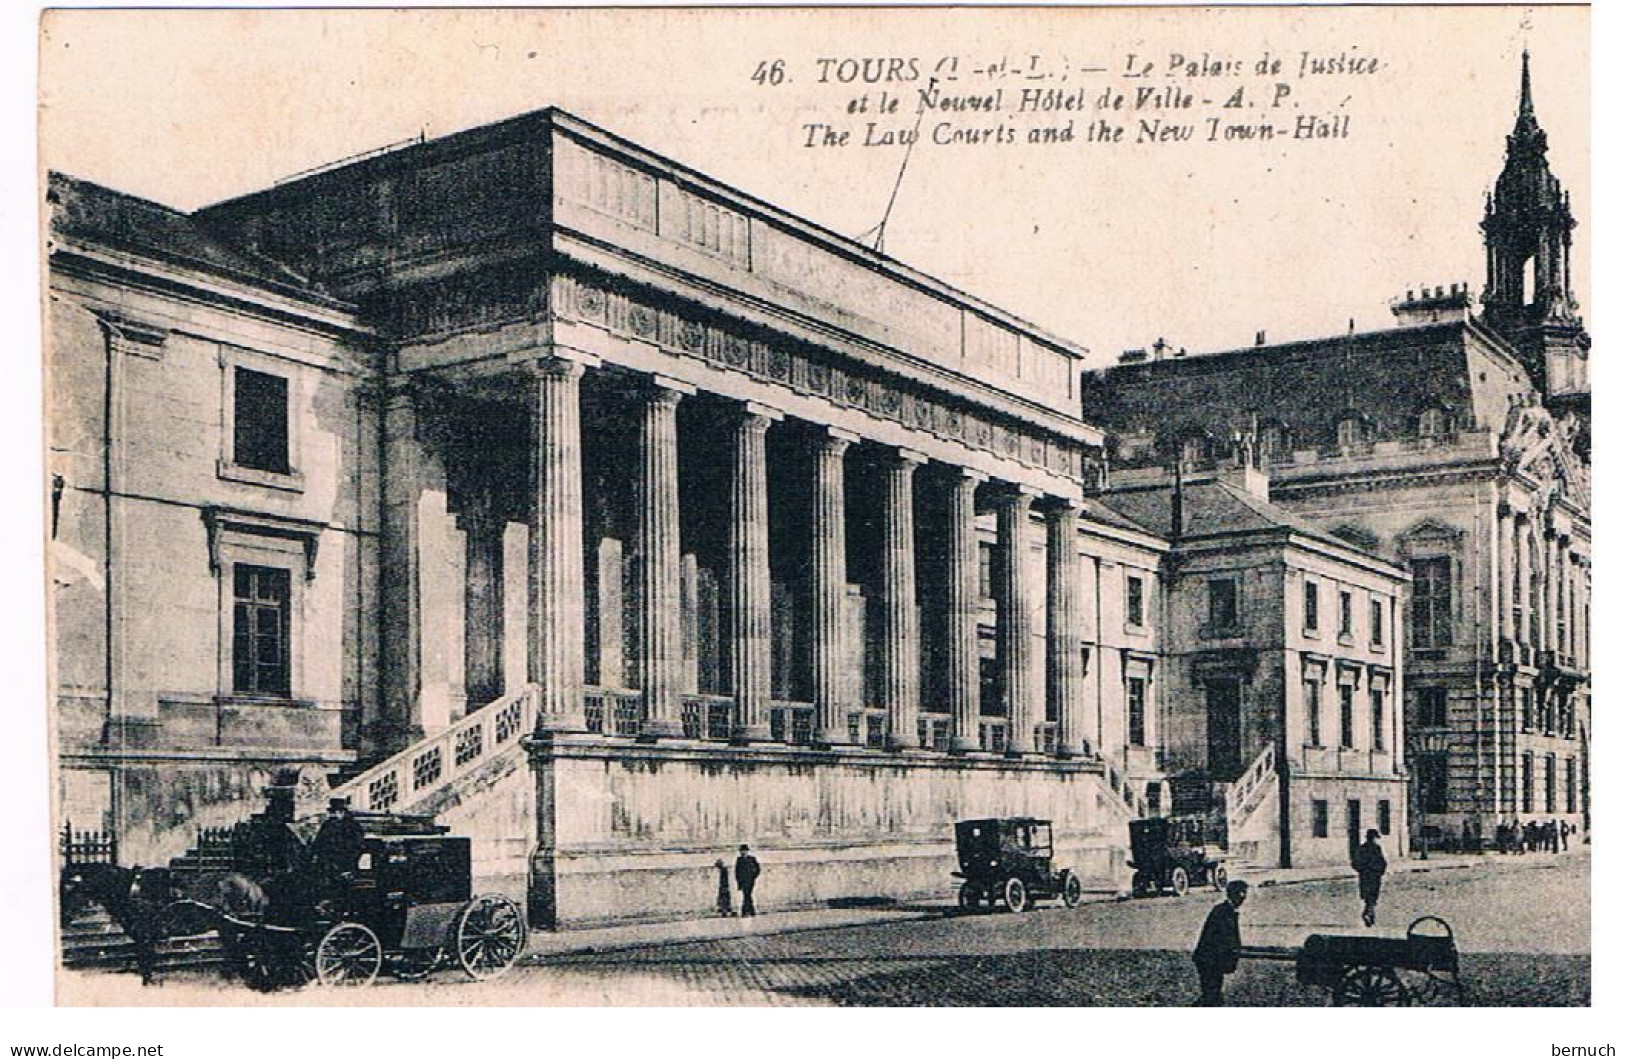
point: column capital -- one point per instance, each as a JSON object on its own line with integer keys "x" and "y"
{"x": 1015, "y": 494}
{"x": 909, "y": 457}
{"x": 970, "y": 474}
{"x": 755, "y": 410}
{"x": 664, "y": 384}
{"x": 551, "y": 359}
{"x": 1052, "y": 505}
{"x": 828, "y": 434}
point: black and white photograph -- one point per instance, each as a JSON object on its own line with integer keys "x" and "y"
{"x": 862, "y": 507}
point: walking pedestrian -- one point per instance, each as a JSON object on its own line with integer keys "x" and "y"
{"x": 1218, "y": 950}
{"x": 1563, "y": 835}
{"x": 1370, "y": 865}
{"x": 725, "y": 896}
{"x": 746, "y": 872}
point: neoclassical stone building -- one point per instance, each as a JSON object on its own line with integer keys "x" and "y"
{"x": 1456, "y": 444}
{"x": 533, "y": 480}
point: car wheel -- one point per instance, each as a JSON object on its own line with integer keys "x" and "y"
{"x": 1071, "y": 889}
{"x": 1220, "y": 876}
{"x": 1015, "y": 895}
{"x": 1180, "y": 881}
{"x": 969, "y": 898}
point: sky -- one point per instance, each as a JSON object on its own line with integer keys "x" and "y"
{"x": 1109, "y": 245}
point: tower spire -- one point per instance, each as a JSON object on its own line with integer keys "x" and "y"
{"x": 1527, "y": 131}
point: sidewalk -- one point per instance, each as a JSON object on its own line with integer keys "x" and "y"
{"x": 614, "y": 937}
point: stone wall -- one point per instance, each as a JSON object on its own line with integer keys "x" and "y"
{"x": 633, "y": 831}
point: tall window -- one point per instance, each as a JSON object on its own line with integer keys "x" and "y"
{"x": 1433, "y": 781}
{"x": 1136, "y": 711}
{"x": 260, "y": 426}
{"x": 1377, "y": 719}
{"x": 1526, "y": 700}
{"x": 1319, "y": 818}
{"x": 1385, "y": 816}
{"x": 260, "y": 648}
{"x": 1345, "y": 716}
{"x": 1311, "y": 709}
{"x": 1430, "y": 602}
{"x": 1562, "y": 613}
{"x": 1432, "y": 707}
{"x": 1350, "y": 432}
{"x": 1136, "y": 600}
{"x": 1311, "y": 606}
{"x": 984, "y": 570}
{"x": 1345, "y": 613}
{"x": 1528, "y": 782}
{"x": 1222, "y": 611}
{"x": 1551, "y": 783}
{"x": 1568, "y": 785}
{"x": 1376, "y": 623}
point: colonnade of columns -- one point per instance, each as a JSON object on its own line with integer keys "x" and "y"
{"x": 1543, "y": 587}
{"x": 557, "y": 601}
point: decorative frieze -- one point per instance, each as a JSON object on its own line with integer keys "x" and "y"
{"x": 623, "y": 315}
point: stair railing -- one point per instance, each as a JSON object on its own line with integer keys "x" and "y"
{"x": 1245, "y": 794}
{"x": 433, "y": 763}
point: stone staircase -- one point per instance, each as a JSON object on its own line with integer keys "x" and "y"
{"x": 413, "y": 780}
{"x": 92, "y": 941}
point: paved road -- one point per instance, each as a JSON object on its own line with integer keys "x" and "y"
{"x": 1523, "y": 926}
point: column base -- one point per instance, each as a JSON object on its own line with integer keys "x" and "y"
{"x": 899, "y": 744}
{"x": 965, "y": 745}
{"x": 752, "y": 733}
{"x": 660, "y": 728}
{"x": 1071, "y": 753}
{"x": 1015, "y": 755}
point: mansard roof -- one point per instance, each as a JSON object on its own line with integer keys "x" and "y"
{"x": 88, "y": 213}
{"x": 1387, "y": 379}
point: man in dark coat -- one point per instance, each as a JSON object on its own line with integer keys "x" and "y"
{"x": 338, "y": 843}
{"x": 1219, "y": 947}
{"x": 1370, "y": 864}
{"x": 746, "y": 870}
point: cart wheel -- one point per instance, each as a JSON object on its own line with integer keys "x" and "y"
{"x": 1179, "y": 881}
{"x": 490, "y": 936}
{"x": 349, "y": 954}
{"x": 413, "y": 965}
{"x": 1219, "y": 876}
{"x": 969, "y": 897}
{"x": 1371, "y": 987}
{"x": 1071, "y": 889}
{"x": 1015, "y": 895}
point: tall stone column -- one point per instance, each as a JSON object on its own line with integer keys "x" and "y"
{"x": 1549, "y": 593}
{"x": 899, "y": 615}
{"x": 1526, "y": 578}
{"x": 660, "y": 574}
{"x": 1063, "y": 662}
{"x": 482, "y": 527}
{"x": 1563, "y": 598}
{"x": 751, "y": 586}
{"x": 557, "y": 592}
{"x": 1506, "y": 544}
{"x": 829, "y": 662}
{"x": 400, "y": 599}
{"x": 1015, "y": 618}
{"x": 964, "y": 602}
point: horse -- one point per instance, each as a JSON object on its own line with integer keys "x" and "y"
{"x": 136, "y": 899}
{"x": 150, "y": 905}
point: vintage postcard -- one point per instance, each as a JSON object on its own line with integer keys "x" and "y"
{"x": 856, "y": 507}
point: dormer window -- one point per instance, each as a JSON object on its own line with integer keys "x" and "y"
{"x": 1193, "y": 450}
{"x": 1433, "y": 423}
{"x": 1350, "y": 432}
{"x": 1273, "y": 444}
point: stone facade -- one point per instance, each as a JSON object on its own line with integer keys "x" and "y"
{"x": 528, "y": 479}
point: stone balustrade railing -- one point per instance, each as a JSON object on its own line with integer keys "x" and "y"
{"x": 398, "y": 783}
{"x": 1244, "y": 795}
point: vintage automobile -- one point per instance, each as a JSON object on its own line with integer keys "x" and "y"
{"x": 1011, "y": 861}
{"x": 1168, "y": 854}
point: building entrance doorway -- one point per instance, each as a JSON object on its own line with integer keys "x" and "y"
{"x": 1224, "y": 729}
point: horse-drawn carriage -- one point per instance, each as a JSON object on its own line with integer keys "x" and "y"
{"x": 393, "y": 896}
{"x": 1363, "y": 971}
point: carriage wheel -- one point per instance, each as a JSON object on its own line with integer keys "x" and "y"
{"x": 1015, "y": 895}
{"x": 350, "y": 955}
{"x": 1219, "y": 876}
{"x": 490, "y": 936}
{"x": 1071, "y": 889}
{"x": 413, "y": 965}
{"x": 1180, "y": 881}
{"x": 969, "y": 897}
{"x": 1371, "y": 987}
